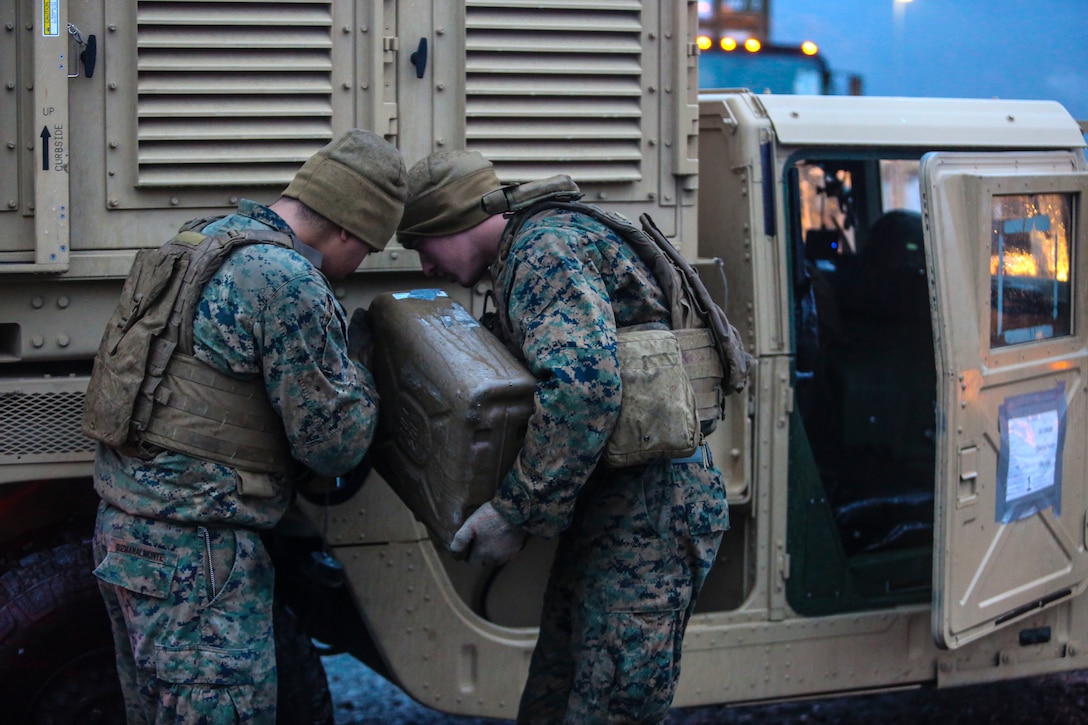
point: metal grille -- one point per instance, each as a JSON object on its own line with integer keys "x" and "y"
{"x": 41, "y": 425}
{"x": 557, "y": 87}
{"x": 231, "y": 93}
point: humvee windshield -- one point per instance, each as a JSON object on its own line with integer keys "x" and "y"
{"x": 863, "y": 437}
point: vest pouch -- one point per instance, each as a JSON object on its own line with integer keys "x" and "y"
{"x": 141, "y": 316}
{"x": 255, "y": 484}
{"x": 658, "y": 415}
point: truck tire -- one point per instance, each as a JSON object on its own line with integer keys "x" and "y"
{"x": 56, "y": 649}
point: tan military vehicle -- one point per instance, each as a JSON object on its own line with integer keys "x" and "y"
{"x": 906, "y": 468}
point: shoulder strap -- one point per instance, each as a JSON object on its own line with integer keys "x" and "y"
{"x": 690, "y": 304}
{"x": 736, "y": 361}
{"x": 207, "y": 254}
{"x": 661, "y": 265}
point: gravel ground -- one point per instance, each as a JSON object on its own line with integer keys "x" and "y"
{"x": 363, "y": 698}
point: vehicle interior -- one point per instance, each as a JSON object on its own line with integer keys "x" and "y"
{"x": 862, "y": 440}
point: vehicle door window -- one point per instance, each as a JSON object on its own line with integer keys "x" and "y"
{"x": 1029, "y": 268}
{"x": 865, "y": 387}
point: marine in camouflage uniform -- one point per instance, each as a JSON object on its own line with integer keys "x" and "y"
{"x": 636, "y": 543}
{"x": 185, "y": 577}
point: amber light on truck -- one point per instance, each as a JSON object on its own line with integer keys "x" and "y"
{"x": 752, "y": 45}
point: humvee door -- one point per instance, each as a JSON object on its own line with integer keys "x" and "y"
{"x": 1005, "y": 239}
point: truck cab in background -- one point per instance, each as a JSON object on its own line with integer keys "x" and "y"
{"x": 736, "y": 51}
{"x": 905, "y": 469}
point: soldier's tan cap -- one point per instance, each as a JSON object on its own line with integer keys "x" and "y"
{"x": 444, "y": 192}
{"x": 357, "y": 182}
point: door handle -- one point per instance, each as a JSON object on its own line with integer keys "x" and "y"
{"x": 419, "y": 58}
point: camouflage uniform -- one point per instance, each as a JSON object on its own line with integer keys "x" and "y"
{"x": 186, "y": 580}
{"x": 636, "y": 543}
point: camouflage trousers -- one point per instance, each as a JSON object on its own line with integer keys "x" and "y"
{"x": 191, "y": 609}
{"x": 621, "y": 591}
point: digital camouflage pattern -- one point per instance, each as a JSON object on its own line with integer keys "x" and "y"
{"x": 637, "y": 542}
{"x": 181, "y": 647}
{"x": 193, "y": 634}
{"x": 568, "y": 282}
{"x": 267, "y": 311}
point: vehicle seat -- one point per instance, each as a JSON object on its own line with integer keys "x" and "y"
{"x": 884, "y": 381}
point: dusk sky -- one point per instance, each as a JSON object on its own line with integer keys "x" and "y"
{"x": 1033, "y": 49}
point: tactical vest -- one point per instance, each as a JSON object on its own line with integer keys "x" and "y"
{"x": 713, "y": 355}
{"x": 147, "y": 390}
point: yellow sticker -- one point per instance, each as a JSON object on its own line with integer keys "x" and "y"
{"x": 50, "y": 18}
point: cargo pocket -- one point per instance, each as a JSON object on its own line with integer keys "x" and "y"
{"x": 633, "y": 667}
{"x": 207, "y": 685}
{"x": 189, "y": 665}
{"x": 138, "y": 568}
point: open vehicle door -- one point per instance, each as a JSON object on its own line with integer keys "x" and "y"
{"x": 1007, "y": 249}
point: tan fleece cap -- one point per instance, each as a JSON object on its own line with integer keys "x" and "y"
{"x": 444, "y": 192}
{"x": 357, "y": 182}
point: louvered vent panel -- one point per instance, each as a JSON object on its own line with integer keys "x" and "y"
{"x": 231, "y": 93}
{"x": 555, "y": 88}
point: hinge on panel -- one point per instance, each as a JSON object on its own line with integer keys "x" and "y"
{"x": 390, "y": 43}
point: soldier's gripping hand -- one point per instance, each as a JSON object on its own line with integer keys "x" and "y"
{"x": 360, "y": 337}
{"x": 488, "y": 538}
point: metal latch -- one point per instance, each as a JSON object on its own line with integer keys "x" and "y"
{"x": 88, "y": 54}
{"x": 419, "y": 58}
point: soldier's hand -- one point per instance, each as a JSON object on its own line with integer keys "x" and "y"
{"x": 488, "y": 538}
{"x": 360, "y": 337}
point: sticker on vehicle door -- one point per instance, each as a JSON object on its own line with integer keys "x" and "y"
{"x": 1029, "y": 471}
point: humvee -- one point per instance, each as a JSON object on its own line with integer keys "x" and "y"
{"x": 905, "y": 469}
